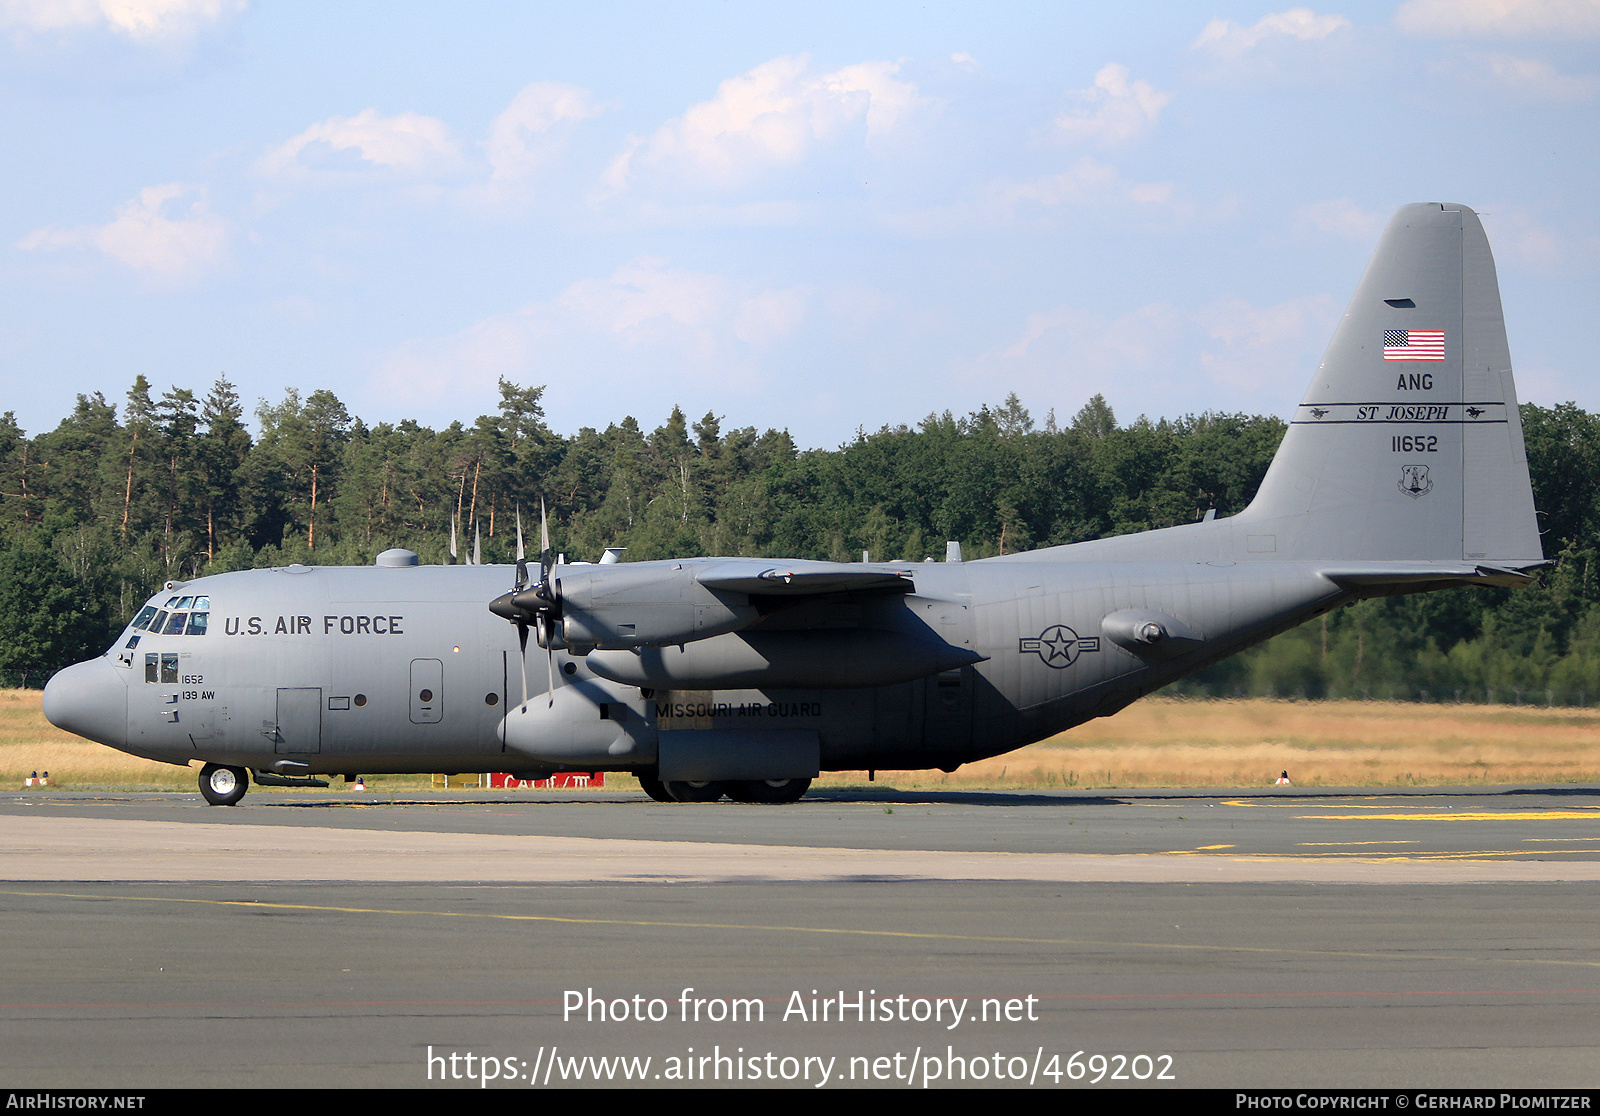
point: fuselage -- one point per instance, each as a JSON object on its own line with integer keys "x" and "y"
{"x": 373, "y": 669}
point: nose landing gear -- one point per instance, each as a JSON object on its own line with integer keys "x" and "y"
{"x": 223, "y": 786}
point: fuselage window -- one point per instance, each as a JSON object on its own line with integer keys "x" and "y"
{"x": 152, "y": 667}
{"x": 169, "y": 666}
{"x": 172, "y": 601}
{"x": 197, "y": 623}
{"x": 186, "y": 602}
{"x": 157, "y": 622}
{"x": 175, "y": 623}
{"x": 202, "y": 604}
{"x": 142, "y": 621}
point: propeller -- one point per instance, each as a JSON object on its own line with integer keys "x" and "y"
{"x": 548, "y": 614}
{"x": 452, "y": 559}
{"x": 537, "y": 604}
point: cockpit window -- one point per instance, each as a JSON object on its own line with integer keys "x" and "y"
{"x": 175, "y": 619}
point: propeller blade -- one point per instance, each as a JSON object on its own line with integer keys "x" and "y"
{"x": 522, "y": 642}
{"x": 522, "y": 555}
{"x": 452, "y": 560}
{"x": 544, "y": 548}
{"x": 550, "y": 659}
{"x": 477, "y": 543}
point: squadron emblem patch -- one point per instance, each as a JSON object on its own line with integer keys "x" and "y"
{"x": 1058, "y": 645}
{"x": 1414, "y": 481}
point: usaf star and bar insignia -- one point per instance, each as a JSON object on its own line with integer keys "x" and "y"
{"x": 1058, "y": 645}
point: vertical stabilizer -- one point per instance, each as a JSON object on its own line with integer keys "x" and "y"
{"x": 1408, "y": 444}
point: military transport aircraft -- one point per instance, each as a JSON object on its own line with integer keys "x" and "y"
{"x": 1402, "y": 471}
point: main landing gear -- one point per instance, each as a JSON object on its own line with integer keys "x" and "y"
{"x": 763, "y": 791}
{"x": 769, "y": 792}
{"x": 223, "y": 786}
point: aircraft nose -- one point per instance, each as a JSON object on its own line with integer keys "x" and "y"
{"x": 90, "y": 699}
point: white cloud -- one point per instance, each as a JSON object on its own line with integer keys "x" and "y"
{"x": 1246, "y": 350}
{"x": 769, "y": 317}
{"x": 1253, "y": 347}
{"x": 645, "y": 323}
{"x": 1097, "y": 344}
{"x": 407, "y": 142}
{"x": 1114, "y": 110}
{"x": 1227, "y": 39}
{"x": 1342, "y": 218}
{"x": 1510, "y": 19}
{"x": 144, "y": 238}
{"x": 1043, "y": 199}
{"x": 1087, "y": 182}
{"x": 645, "y": 300}
{"x": 1519, "y": 239}
{"x": 145, "y": 20}
{"x": 522, "y": 137}
{"x": 772, "y": 116}
{"x": 1538, "y": 80}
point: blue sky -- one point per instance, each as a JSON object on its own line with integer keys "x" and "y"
{"x": 815, "y": 216}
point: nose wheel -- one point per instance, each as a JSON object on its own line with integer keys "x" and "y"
{"x": 223, "y": 786}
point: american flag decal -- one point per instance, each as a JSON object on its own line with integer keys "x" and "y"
{"x": 1413, "y": 344}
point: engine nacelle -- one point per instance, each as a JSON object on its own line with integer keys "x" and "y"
{"x": 580, "y": 729}
{"x": 645, "y": 605}
{"x": 835, "y": 659}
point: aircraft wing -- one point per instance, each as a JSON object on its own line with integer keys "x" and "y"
{"x": 763, "y": 577}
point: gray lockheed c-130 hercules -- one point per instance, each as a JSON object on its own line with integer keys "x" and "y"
{"x": 1402, "y": 471}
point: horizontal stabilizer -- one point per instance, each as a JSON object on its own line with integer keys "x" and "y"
{"x": 1395, "y": 575}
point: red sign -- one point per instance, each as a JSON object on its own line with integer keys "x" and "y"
{"x": 561, "y": 781}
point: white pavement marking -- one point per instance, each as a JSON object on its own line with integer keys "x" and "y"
{"x": 91, "y": 849}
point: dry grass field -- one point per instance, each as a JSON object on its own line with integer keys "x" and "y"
{"x": 29, "y": 743}
{"x": 1158, "y": 742}
{"x": 1166, "y": 742}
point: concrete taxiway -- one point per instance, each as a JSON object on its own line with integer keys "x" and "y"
{"x": 1292, "y": 937}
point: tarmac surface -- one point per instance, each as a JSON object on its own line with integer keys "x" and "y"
{"x": 1432, "y": 937}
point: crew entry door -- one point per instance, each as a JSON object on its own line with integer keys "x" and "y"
{"x": 427, "y": 691}
{"x": 299, "y": 721}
